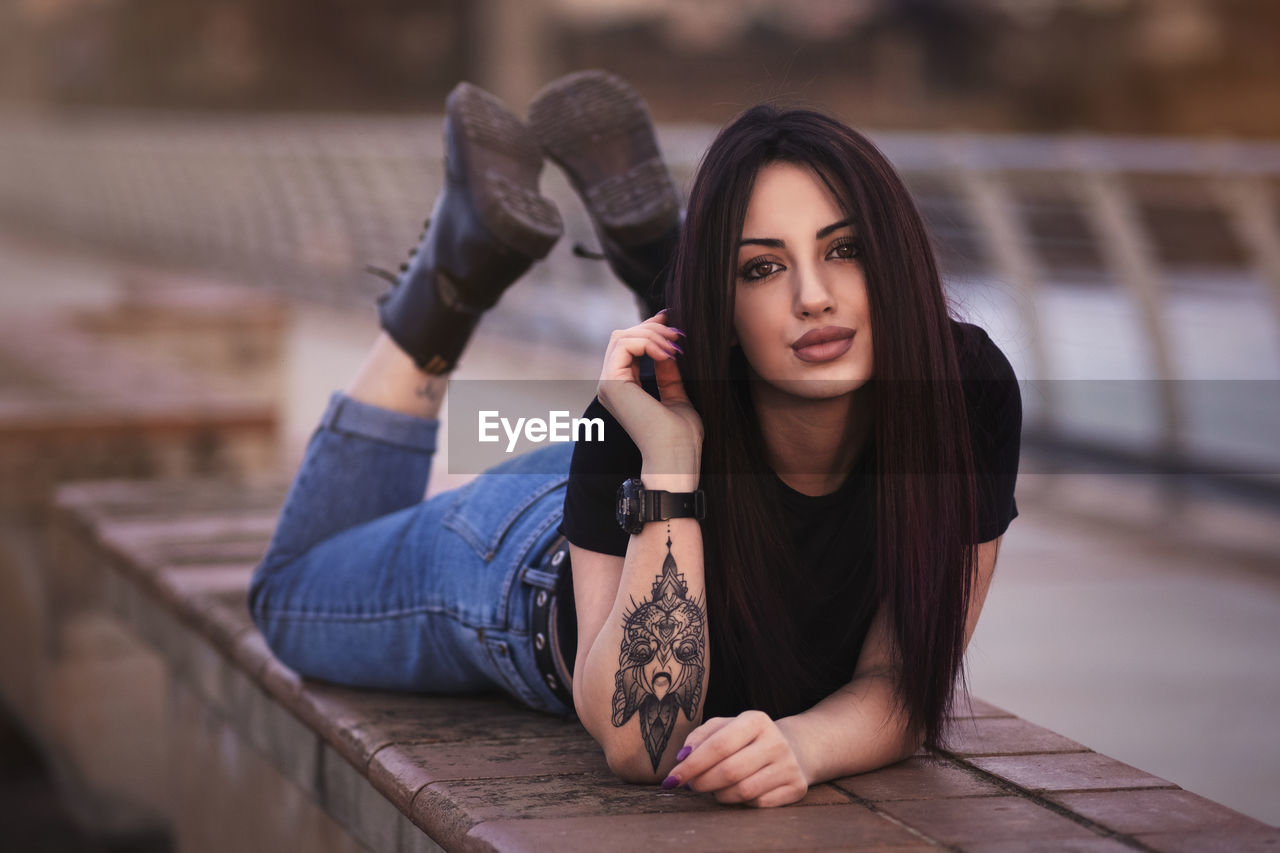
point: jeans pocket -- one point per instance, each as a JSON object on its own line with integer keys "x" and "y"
{"x": 486, "y": 509}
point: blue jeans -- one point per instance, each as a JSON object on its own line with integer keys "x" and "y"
{"x": 367, "y": 584}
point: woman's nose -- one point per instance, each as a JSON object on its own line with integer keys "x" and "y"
{"x": 813, "y": 295}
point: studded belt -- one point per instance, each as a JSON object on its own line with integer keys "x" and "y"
{"x": 546, "y": 640}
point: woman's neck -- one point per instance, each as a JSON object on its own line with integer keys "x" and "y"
{"x": 812, "y": 444}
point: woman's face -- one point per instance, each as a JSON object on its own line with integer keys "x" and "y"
{"x": 799, "y": 278}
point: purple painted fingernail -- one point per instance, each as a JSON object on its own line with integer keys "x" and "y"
{"x": 670, "y": 782}
{"x": 684, "y": 753}
{"x": 677, "y": 349}
{"x": 677, "y": 331}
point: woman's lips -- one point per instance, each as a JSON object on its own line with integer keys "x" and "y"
{"x": 824, "y": 351}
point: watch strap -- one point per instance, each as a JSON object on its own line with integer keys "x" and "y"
{"x": 660, "y": 506}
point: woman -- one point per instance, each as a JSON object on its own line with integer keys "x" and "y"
{"x": 838, "y": 454}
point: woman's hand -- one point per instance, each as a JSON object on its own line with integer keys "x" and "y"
{"x": 667, "y": 432}
{"x": 743, "y": 759}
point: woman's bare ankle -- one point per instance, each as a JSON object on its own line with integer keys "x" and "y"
{"x": 389, "y": 378}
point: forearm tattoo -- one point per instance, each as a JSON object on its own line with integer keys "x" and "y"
{"x": 662, "y": 660}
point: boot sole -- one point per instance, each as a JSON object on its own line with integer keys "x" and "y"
{"x": 501, "y": 163}
{"x": 597, "y": 129}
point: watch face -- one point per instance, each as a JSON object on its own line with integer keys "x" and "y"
{"x": 628, "y": 511}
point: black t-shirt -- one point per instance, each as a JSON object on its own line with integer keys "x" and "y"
{"x": 834, "y": 534}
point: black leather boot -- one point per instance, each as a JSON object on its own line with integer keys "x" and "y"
{"x": 596, "y": 128}
{"x": 488, "y": 226}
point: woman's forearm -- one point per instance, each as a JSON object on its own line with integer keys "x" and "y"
{"x": 645, "y": 675}
{"x": 858, "y": 728}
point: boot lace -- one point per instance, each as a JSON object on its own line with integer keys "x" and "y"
{"x": 387, "y": 275}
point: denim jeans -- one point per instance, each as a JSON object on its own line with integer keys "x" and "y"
{"x": 367, "y": 584}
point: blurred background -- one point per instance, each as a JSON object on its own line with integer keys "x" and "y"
{"x": 189, "y": 192}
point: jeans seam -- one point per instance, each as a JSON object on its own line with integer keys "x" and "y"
{"x": 319, "y": 616}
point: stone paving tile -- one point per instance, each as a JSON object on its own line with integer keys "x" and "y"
{"x": 1072, "y": 771}
{"x": 360, "y": 722}
{"x": 281, "y": 682}
{"x": 104, "y": 500}
{"x": 966, "y": 707}
{"x": 364, "y": 812}
{"x": 248, "y": 549}
{"x": 1265, "y": 839}
{"x": 448, "y": 811}
{"x": 216, "y": 525}
{"x": 728, "y": 828}
{"x": 920, "y": 778}
{"x": 293, "y": 747}
{"x": 219, "y": 619}
{"x": 146, "y": 548}
{"x": 1006, "y": 736}
{"x": 217, "y": 578}
{"x": 451, "y": 809}
{"x": 1097, "y": 844}
{"x": 251, "y": 653}
{"x": 401, "y": 770}
{"x": 973, "y": 819}
{"x": 1159, "y": 811}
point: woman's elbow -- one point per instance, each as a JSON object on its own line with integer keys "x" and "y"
{"x": 628, "y": 762}
{"x": 632, "y": 767}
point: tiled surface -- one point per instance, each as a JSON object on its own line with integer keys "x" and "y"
{"x": 921, "y": 778}
{"x": 1073, "y": 771}
{"x": 1005, "y": 736}
{"x": 482, "y": 773}
{"x": 964, "y": 820}
{"x": 1151, "y": 812}
{"x": 727, "y": 829}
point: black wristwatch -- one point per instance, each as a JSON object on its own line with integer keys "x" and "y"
{"x": 637, "y": 505}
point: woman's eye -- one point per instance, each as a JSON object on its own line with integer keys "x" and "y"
{"x": 757, "y": 270}
{"x": 846, "y": 250}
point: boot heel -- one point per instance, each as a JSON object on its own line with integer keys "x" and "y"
{"x": 630, "y": 204}
{"x": 597, "y": 129}
{"x": 502, "y": 163}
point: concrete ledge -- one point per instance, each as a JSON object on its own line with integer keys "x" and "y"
{"x": 392, "y": 772}
{"x": 77, "y": 405}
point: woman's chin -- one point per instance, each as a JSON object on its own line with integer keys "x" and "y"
{"x": 816, "y": 388}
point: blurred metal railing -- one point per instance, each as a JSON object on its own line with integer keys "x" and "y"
{"x": 300, "y": 204}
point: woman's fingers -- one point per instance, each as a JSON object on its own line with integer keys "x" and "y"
{"x": 667, "y": 429}
{"x": 771, "y": 785}
{"x": 745, "y": 759}
{"x": 633, "y": 341}
{"x": 714, "y": 741}
{"x": 670, "y": 383}
{"x": 729, "y": 771}
{"x": 628, "y": 345}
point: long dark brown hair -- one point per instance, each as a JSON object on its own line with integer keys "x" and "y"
{"x": 925, "y": 499}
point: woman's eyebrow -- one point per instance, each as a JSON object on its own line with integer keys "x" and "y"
{"x": 779, "y": 244}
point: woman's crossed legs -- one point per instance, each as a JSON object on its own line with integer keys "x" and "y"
{"x": 366, "y": 584}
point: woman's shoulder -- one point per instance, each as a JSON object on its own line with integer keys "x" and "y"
{"x": 991, "y": 391}
{"x": 979, "y": 357}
